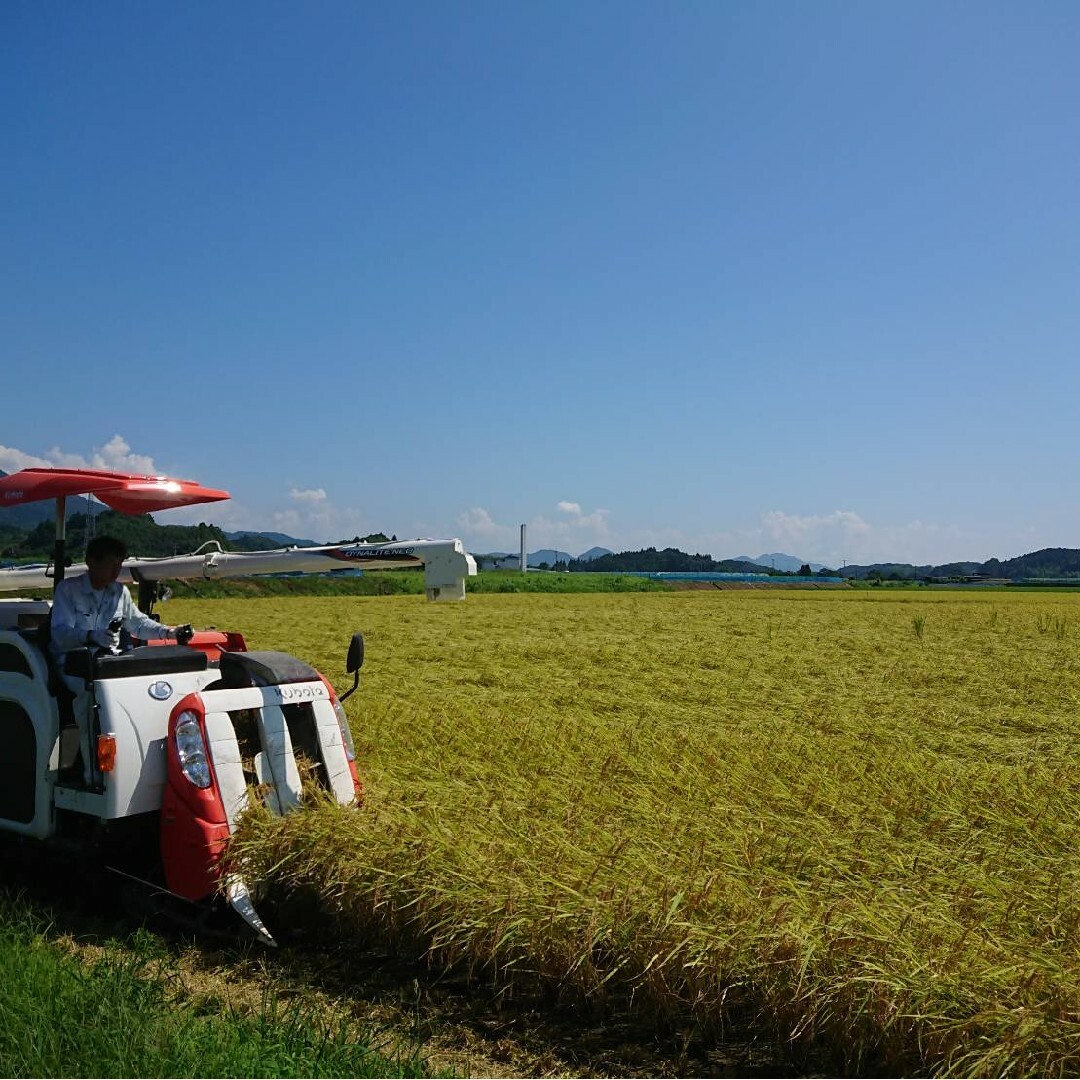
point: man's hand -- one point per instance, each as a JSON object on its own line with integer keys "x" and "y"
{"x": 100, "y": 639}
{"x": 184, "y": 634}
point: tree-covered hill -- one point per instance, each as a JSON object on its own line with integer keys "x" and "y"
{"x": 669, "y": 560}
{"x": 1047, "y": 563}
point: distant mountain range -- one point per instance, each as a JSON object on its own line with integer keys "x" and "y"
{"x": 245, "y": 536}
{"x": 777, "y": 560}
{"x": 1037, "y": 565}
{"x": 594, "y": 553}
{"x": 497, "y": 560}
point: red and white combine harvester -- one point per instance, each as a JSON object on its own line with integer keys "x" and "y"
{"x": 186, "y": 736}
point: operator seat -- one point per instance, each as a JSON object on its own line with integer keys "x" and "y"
{"x": 40, "y": 636}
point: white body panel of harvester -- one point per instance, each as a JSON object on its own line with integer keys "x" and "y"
{"x": 134, "y": 710}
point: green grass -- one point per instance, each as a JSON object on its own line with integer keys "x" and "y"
{"x": 782, "y": 807}
{"x": 408, "y": 583}
{"x": 538, "y": 581}
{"x": 127, "y": 1014}
{"x": 372, "y": 583}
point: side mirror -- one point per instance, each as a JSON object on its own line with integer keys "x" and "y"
{"x": 355, "y": 660}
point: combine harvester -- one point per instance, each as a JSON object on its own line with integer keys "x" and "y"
{"x": 186, "y": 736}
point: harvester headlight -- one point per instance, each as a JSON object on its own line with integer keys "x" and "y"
{"x": 191, "y": 749}
{"x": 346, "y": 731}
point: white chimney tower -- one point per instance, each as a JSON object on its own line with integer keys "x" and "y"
{"x": 524, "y": 561}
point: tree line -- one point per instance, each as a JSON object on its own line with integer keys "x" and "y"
{"x": 672, "y": 560}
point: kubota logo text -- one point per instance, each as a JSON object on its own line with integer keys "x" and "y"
{"x": 305, "y": 692}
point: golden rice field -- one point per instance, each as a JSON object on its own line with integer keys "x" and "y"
{"x": 851, "y": 817}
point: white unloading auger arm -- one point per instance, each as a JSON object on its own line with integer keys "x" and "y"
{"x": 446, "y": 564}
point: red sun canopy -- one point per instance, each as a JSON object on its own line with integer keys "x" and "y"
{"x": 127, "y": 492}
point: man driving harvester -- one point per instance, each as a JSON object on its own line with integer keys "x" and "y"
{"x": 89, "y": 612}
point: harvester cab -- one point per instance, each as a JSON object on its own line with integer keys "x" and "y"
{"x": 184, "y": 737}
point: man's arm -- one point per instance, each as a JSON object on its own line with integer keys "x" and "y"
{"x": 139, "y": 624}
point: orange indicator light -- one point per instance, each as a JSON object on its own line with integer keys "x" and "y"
{"x": 106, "y": 753}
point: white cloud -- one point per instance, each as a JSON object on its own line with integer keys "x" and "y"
{"x": 477, "y": 522}
{"x": 304, "y": 514}
{"x": 315, "y": 517}
{"x": 230, "y": 516}
{"x": 115, "y": 456}
{"x": 575, "y": 529}
{"x": 570, "y": 530}
{"x": 12, "y": 460}
{"x": 817, "y": 530}
{"x": 841, "y": 536}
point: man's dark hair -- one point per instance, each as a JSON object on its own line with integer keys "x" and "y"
{"x": 106, "y": 547}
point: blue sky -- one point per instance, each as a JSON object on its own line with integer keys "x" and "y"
{"x": 729, "y": 277}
